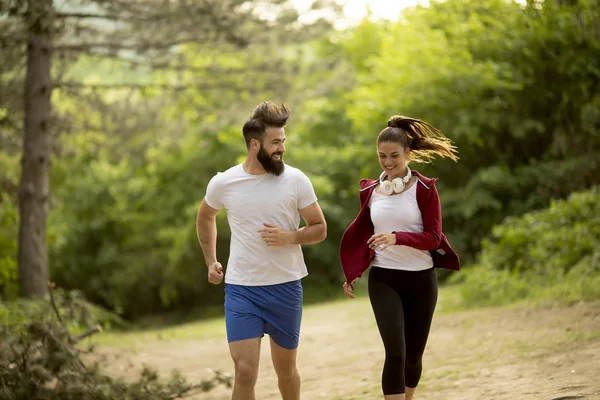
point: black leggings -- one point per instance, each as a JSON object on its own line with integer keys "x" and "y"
{"x": 403, "y": 303}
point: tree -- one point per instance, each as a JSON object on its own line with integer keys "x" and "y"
{"x": 515, "y": 87}
{"x": 147, "y": 32}
{"x": 33, "y": 193}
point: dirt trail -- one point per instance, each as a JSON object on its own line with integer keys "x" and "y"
{"x": 488, "y": 354}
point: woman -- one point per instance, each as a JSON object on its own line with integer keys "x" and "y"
{"x": 398, "y": 231}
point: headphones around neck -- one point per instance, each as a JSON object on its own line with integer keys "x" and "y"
{"x": 386, "y": 188}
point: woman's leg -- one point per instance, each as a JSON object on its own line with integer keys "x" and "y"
{"x": 418, "y": 314}
{"x": 389, "y": 314}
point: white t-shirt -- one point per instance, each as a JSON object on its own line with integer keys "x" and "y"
{"x": 401, "y": 213}
{"x": 250, "y": 201}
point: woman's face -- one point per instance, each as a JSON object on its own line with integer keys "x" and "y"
{"x": 393, "y": 159}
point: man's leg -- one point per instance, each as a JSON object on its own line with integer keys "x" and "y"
{"x": 244, "y": 331}
{"x": 283, "y": 318}
{"x": 245, "y": 355}
{"x": 284, "y": 362}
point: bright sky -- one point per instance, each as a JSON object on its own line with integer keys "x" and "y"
{"x": 355, "y": 10}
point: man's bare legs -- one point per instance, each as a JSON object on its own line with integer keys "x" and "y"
{"x": 245, "y": 355}
{"x": 284, "y": 362}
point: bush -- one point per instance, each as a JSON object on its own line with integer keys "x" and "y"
{"x": 8, "y": 247}
{"x": 552, "y": 253}
{"x": 40, "y": 358}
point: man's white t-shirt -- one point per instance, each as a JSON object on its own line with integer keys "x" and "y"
{"x": 251, "y": 200}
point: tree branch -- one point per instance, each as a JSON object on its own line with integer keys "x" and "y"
{"x": 50, "y": 335}
{"x": 112, "y": 17}
{"x": 134, "y": 86}
{"x": 7, "y": 393}
{"x": 89, "y": 332}
{"x": 86, "y": 15}
{"x": 51, "y": 286}
{"x": 123, "y": 46}
{"x": 167, "y": 66}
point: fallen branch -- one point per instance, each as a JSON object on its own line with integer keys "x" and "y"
{"x": 89, "y": 332}
{"x": 65, "y": 348}
{"x": 46, "y": 363}
{"x": 52, "y": 285}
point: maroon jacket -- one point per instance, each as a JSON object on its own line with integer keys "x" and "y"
{"x": 355, "y": 255}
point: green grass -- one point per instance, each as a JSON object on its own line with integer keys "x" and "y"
{"x": 205, "y": 329}
{"x": 448, "y": 301}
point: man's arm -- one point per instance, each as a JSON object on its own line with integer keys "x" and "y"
{"x": 206, "y": 230}
{"x": 315, "y": 230}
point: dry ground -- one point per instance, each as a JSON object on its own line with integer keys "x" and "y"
{"x": 519, "y": 352}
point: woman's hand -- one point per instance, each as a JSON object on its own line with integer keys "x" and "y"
{"x": 382, "y": 241}
{"x": 348, "y": 288}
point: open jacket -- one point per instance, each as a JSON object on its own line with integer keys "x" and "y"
{"x": 355, "y": 254}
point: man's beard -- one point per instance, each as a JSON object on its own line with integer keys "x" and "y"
{"x": 274, "y": 167}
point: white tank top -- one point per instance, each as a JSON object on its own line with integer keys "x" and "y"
{"x": 399, "y": 212}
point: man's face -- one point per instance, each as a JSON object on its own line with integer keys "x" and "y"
{"x": 271, "y": 151}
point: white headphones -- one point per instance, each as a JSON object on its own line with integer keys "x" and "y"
{"x": 386, "y": 188}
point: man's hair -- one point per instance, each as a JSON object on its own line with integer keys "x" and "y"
{"x": 265, "y": 115}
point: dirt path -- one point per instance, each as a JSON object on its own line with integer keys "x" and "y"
{"x": 492, "y": 354}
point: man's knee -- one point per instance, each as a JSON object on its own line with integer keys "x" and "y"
{"x": 245, "y": 372}
{"x": 287, "y": 371}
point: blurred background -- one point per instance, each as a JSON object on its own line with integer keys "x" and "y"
{"x": 114, "y": 115}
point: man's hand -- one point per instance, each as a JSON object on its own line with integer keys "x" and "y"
{"x": 348, "y": 288}
{"x": 215, "y": 273}
{"x": 275, "y": 236}
{"x": 382, "y": 241}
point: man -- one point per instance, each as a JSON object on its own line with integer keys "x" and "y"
{"x": 264, "y": 199}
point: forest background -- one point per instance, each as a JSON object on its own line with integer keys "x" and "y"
{"x": 114, "y": 115}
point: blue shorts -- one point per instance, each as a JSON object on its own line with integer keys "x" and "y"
{"x": 252, "y": 311}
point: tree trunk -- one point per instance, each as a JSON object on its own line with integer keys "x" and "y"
{"x": 33, "y": 193}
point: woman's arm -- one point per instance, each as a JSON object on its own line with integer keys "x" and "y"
{"x": 431, "y": 236}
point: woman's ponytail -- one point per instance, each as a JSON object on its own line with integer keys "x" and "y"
{"x": 424, "y": 141}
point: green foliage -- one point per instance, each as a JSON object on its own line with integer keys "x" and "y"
{"x": 8, "y": 226}
{"x": 78, "y": 313}
{"x": 479, "y": 72}
{"x": 8, "y": 248}
{"x": 126, "y": 232}
{"x": 41, "y": 359}
{"x": 514, "y": 86}
{"x": 548, "y": 253}
{"x": 475, "y": 71}
{"x": 554, "y": 239}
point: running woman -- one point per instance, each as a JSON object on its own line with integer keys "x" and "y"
{"x": 398, "y": 231}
